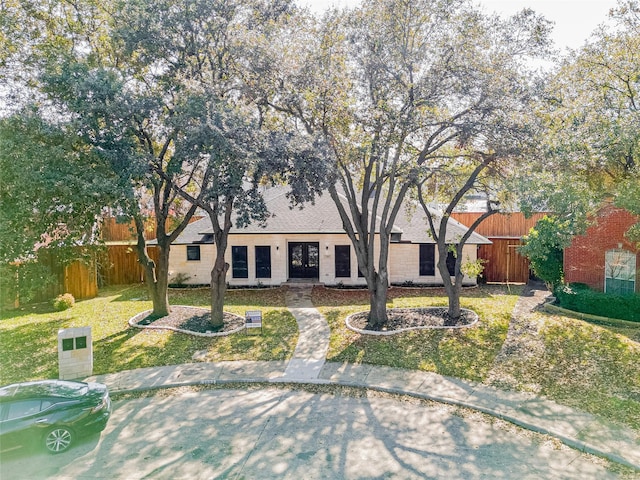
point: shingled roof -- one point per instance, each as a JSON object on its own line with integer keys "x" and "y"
{"x": 319, "y": 217}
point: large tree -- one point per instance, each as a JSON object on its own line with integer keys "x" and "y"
{"x": 205, "y": 51}
{"x": 593, "y": 112}
{"x": 485, "y": 130}
{"x": 70, "y": 51}
{"x": 52, "y": 191}
{"x": 126, "y": 74}
{"x": 126, "y": 125}
{"x": 424, "y": 94}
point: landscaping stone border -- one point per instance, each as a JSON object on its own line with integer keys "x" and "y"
{"x": 401, "y": 330}
{"x": 133, "y": 322}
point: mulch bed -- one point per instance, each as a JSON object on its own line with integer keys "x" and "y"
{"x": 194, "y": 320}
{"x": 402, "y": 318}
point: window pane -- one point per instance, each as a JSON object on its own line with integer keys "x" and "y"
{"x": 23, "y": 408}
{"x": 343, "y": 261}
{"x": 240, "y": 266}
{"x": 263, "y": 262}
{"x": 427, "y": 259}
{"x": 193, "y": 252}
{"x": 615, "y": 286}
{"x": 620, "y": 272}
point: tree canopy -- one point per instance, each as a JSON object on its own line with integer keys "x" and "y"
{"x": 412, "y": 93}
{"x": 52, "y": 190}
{"x": 591, "y": 108}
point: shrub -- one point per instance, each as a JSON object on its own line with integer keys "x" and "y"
{"x": 179, "y": 280}
{"x": 64, "y": 301}
{"x": 623, "y": 307}
{"x": 543, "y": 247}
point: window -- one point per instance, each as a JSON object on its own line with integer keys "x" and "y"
{"x": 263, "y": 262}
{"x": 23, "y": 408}
{"x": 343, "y": 261}
{"x": 620, "y": 272}
{"x": 427, "y": 259}
{"x": 240, "y": 268}
{"x": 193, "y": 253}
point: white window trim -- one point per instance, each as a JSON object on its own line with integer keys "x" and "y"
{"x": 620, "y": 264}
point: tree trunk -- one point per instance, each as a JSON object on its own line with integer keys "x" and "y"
{"x": 453, "y": 287}
{"x": 155, "y": 276}
{"x": 378, "y": 302}
{"x": 218, "y": 290}
{"x": 453, "y": 292}
{"x": 159, "y": 291}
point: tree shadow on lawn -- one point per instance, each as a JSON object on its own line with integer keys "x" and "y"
{"x": 125, "y": 293}
{"x": 26, "y": 310}
{"x": 464, "y": 353}
{"x": 30, "y": 350}
{"x": 265, "y": 297}
{"x": 138, "y": 348}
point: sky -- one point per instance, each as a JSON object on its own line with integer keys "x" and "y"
{"x": 574, "y": 19}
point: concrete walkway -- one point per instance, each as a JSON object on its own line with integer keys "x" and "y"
{"x": 313, "y": 340}
{"x": 576, "y": 429}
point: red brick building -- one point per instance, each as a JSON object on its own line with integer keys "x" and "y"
{"x": 603, "y": 257}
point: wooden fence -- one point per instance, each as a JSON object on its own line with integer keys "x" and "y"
{"x": 114, "y": 231}
{"x": 505, "y": 225}
{"x": 80, "y": 279}
{"x": 77, "y": 278}
{"x": 119, "y": 264}
{"x": 503, "y": 261}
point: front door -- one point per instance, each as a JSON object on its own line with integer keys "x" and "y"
{"x": 304, "y": 260}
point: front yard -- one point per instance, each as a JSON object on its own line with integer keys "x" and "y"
{"x": 595, "y": 368}
{"x": 590, "y": 367}
{"x": 467, "y": 353}
{"x": 29, "y": 336}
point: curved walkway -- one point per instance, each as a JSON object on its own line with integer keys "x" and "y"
{"x": 313, "y": 340}
{"x": 576, "y": 429}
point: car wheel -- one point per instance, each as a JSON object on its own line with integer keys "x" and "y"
{"x": 58, "y": 439}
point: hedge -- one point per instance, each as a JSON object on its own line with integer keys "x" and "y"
{"x": 624, "y": 307}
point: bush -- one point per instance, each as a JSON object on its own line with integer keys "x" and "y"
{"x": 62, "y": 302}
{"x": 623, "y": 307}
{"x": 543, "y": 247}
{"x": 179, "y": 280}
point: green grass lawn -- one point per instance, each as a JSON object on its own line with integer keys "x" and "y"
{"x": 591, "y": 367}
{"x": 28, "y": 336}
{"x": 466, "y": 353}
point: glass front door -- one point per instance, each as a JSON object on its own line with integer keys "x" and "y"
{"x": 304, "y": 260}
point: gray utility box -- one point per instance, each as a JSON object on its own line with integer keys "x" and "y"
{"x": 75, "y": 353}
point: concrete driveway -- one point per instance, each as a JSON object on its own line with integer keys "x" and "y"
{"x": 277, "y": 433}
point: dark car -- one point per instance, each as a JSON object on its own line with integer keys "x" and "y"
{"x": 51, "y": 413}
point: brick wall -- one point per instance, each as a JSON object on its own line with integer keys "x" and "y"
{"x": 584, "y": 260}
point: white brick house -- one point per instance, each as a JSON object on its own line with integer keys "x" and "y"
{"x": 310, "y": 243}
